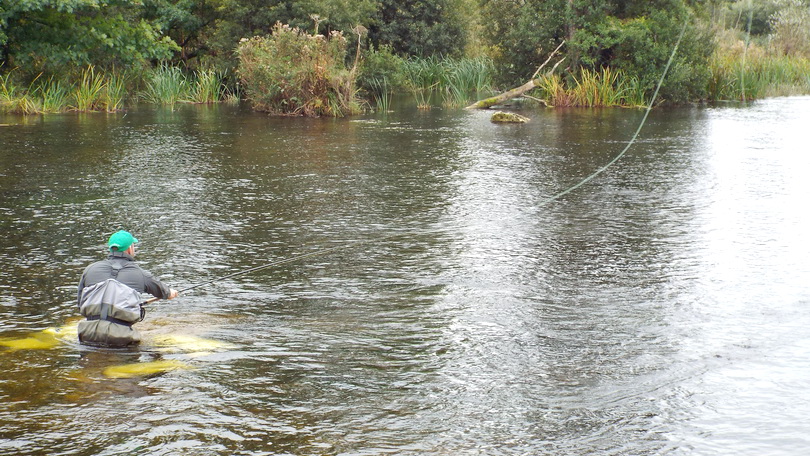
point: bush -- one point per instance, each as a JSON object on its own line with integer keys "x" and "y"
{"x": 381, "y": 75}
{"x": 791, "y": 30}
{"x": 294, "y": 73}
{"x": 381, "y": 65}
{"x": 641, "y": 46}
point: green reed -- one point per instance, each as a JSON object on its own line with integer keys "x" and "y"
{"x": 206, "y": 87}
{"x": 458, "y": 81}
{"x": 422, "y": 77}
{"x": 8, "y": 91}
{"x": 90, "y": 93}
{"x": 55, "y": 96}
{"x": 464, "y": 80}
{"x": 598, "y": 89}
{"x": 382, "y": 93}
{"x": 592, "y": 89}
{"x": 552, "y": 90}
{"x": 116, "y": 91}
{"x": 232, "y": 94}
{"x": 758, "y": 76}
{"x": 41, "y": 97}
{"x": 165, "y": 85}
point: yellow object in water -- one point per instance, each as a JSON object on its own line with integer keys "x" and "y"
{"x": 38, "y": 341}
{"x": 69, "y": 330}
{"x": 186, "y": 343}
{"x": 168, "y": 343}
{"x": 144, "y": 369}
{"x": 46, "y": 339}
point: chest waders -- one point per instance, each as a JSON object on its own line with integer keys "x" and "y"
{"x": 111, "y": 308}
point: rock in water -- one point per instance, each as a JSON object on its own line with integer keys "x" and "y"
{"x": 508, "y": 117}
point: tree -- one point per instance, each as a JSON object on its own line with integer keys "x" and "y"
{"x": 635, "y": 37}
{"x": 522, "y": 34}
{"x": 420, "y": 27}
{"x": 44, "y": 36}
{"x": 639, "y": 38}
{"x": 210, "y": 30}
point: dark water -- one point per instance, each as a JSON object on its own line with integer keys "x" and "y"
{"x": 662, "y": 308}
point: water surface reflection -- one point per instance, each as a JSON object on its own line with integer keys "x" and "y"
{"x": 660, "y": 309}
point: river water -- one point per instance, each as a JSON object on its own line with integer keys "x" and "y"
{"x": 438, "y": 302}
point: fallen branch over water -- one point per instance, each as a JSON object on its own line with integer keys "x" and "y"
{"x": 518, "y": 91}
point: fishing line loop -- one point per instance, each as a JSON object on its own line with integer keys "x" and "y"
{"x": 543, "y": 203}
{"x": 635, "y": 135}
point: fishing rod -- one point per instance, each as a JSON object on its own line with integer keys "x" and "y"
{"x": 263, "y": 266}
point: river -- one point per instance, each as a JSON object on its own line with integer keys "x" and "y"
{"x": 437, "y": 302}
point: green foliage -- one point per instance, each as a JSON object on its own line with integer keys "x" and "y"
{"x": 380, "y": 64}
{"x": 421, "y": 27}
{"x": 295, "y": 73}
{"x": 522, "y": 35}
{"x": 381, "y": 74}
{"x": 640, "y": 46}
{"x": 791, "y": 30}
{"x": 75, "y": 47}
{"x": 756, "y": 14}
{"x": 55, "y": 37}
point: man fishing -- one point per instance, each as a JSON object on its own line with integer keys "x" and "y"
{"x": 110, "y": 295}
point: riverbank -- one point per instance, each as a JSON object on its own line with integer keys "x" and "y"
{"x": 737, "y": 73}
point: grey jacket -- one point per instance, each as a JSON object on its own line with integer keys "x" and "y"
{"x": 130, "y": 274}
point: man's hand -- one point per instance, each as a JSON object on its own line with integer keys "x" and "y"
{"x": 172, "y": 293}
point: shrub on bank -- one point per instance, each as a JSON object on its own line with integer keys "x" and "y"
{"x": 293, "y": 73}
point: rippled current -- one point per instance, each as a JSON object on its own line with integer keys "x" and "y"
{"x": 438, "y": 302}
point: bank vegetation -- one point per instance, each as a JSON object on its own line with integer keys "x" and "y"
{"x": 320, "y": 58}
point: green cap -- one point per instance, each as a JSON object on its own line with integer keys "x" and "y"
{"x": 122, "y": 240}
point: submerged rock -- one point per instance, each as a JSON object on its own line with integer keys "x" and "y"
{"x": 508, "y": 117}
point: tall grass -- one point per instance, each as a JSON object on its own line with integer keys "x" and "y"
{"x": 8, "y": 91}
{"x": 466, "y": 79}
{"x": 606, "y": 88}
{"x": 40, "y": 98}
{"x": 55, "y": 96}
{"x": 206, "y": 87}
{"x": 762, "y": 75}
{"x": 91, "y": 91}
{"x": 422, "y": 77}
{"x": 116, "y": 91}
{"x": 552, "y": 90}
{"x": 456, "y": 81}
{"x": 592, "y": 89}
{"x": 382, "y": 93}
{"x": 108, "y": 90}
{"x": 165, "y": 85}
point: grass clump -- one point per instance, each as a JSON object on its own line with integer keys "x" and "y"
{"x": 591, "y": 89}
{"x": 456, "y": 82}
{"x": 381, "y": 75}
{"x": 748, "y": 72}
{"x": 165, "y": 85}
